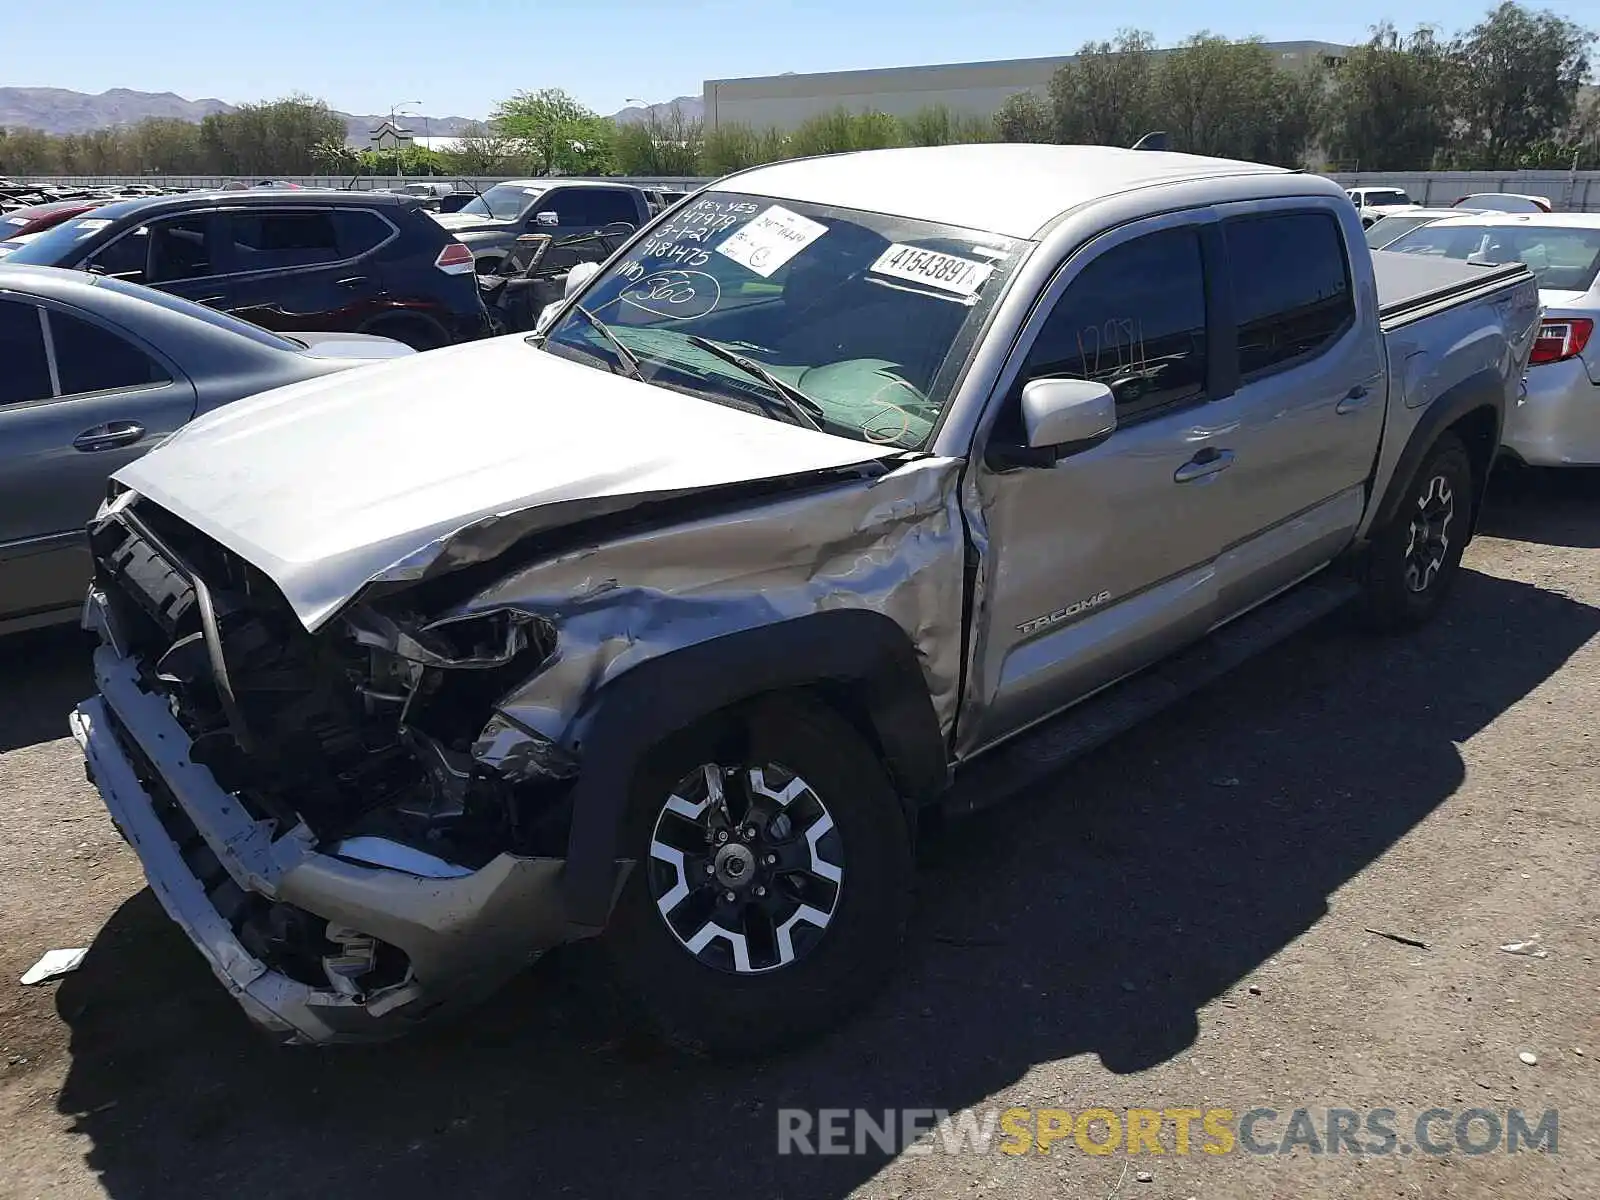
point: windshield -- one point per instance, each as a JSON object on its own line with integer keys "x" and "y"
{"x": 51, "y": 247}
{"x": 1562, "y": 258}
{"x": 1381, "y": 232}
{"x": 863, "y": 319}
{"x": 504, "y": 201}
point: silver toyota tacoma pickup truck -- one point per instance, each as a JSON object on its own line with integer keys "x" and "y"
{"x": 852, "y": 490}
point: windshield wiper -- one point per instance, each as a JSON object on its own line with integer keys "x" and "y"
{"x": 624, "y": 356}
{"x": 800, "y": 406}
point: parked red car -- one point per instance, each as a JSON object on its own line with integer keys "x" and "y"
{"x": 39, "y": 217}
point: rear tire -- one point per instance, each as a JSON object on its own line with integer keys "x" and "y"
{"x": 809, "y": 841}
{"x": 1413, "y": 560}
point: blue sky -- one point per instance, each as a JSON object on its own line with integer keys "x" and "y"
{"x": 460, "y": 57}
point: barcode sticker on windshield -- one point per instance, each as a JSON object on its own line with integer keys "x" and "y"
{"x": 931, "y": 268}
{"x": 767, "y": 241}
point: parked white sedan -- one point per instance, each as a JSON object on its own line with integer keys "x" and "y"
{"x": 1557, "y": 423}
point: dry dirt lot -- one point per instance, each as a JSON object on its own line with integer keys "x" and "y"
{"x": 1177, "y": 921}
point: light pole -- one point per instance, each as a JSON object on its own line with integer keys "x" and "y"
{"x": 393, "y": 109}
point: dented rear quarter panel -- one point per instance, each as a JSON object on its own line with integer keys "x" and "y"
{"x": 894, "y": 545}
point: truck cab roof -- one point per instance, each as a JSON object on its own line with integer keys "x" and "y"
{"x": 955, "y": 185}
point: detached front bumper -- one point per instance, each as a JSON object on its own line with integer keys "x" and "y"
{"x": 462, "y": 932}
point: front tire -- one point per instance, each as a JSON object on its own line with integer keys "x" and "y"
{"x": 1413, "y": 560}
{"x": 772, "y": 884}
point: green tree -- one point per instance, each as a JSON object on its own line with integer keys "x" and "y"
{"x": 667, "y": 143}
{"x": 335, "y": 156}
{"x": 842, "y": 130}
{"x": 272, "y": 138}
{"x": 552, "y": 130}
{"x": 162, "y": 146}
{"x": 1108, "y": 95}
{"x": 29, "y": 152}
{"x": 937, "y": 125}
{"x": 481, "y": 149}
{"x": 1232, "y": 100}
{"x": 1516, "y": 82}
{"x": 1025, "y": 117}
{"x": 1388, "y": 105}
{"x": 734, "y": 147}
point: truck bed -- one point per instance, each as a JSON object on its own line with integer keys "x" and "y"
{"x": 1410, "y": 286}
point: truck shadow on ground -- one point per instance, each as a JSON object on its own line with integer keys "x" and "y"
{"x": 43, "y": 674}
{"x": 1094, "y": 918}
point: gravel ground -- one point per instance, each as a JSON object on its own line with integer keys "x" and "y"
{"x": 1178, "y": 921}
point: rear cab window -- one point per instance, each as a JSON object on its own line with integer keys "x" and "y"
{"x": 1292, "y": 292}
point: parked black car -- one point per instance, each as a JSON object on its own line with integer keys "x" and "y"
{"x": 285, "y": 260}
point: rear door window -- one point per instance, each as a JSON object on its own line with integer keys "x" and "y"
{"x": 26, "y": 373}
{"x": 92, "y": 359}
{"x": 179, "y": 250}
{"x": 360, "y": 231}
{"x": 1291, "y": 288}
{"x": 274, "y": 239}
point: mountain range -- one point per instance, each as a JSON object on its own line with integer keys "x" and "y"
{"x": 693, "y": 108}
{"x": 59, "y": 111}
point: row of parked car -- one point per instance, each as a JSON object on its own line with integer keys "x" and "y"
{"x": 122, "y": 318}
{"x": 855, "y": 490}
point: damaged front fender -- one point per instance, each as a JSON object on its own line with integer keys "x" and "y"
{"x": 893, "y": 545}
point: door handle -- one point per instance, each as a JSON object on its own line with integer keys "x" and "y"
{"x": 353, "y": 281}
{"x": 109, "y": 436}
{"x": 1355, "y": 399}
{"x": 1208, "y": 462}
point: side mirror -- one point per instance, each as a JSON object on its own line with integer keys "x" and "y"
{"x": 1067, "y": 413}
{"x": 546, "y": 218}
{"x": 577, "y": 277}
{"x": 1059, "y": 417}
{"x": 546, "y": 315}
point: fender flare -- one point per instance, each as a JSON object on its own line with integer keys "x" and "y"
{"x": 1483, "y": 389}
{"x": 864, "y": 651}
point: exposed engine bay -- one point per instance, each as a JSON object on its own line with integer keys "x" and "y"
{"x": 357, "y": 740}
{"x": 366, "y": 728}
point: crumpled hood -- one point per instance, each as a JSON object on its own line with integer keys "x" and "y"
{"x": 335, "y": 482}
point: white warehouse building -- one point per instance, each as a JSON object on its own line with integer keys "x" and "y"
{"x": 784, "y": 101}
